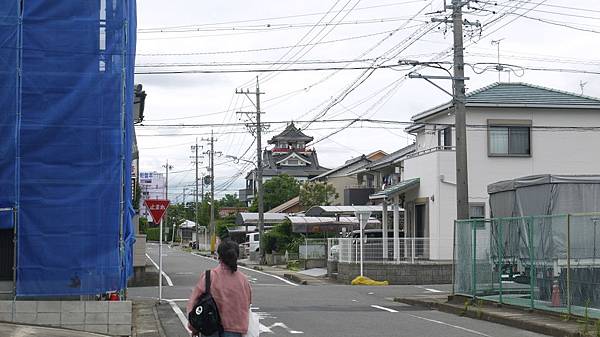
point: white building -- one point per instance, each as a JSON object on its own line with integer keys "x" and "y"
{"x": 513, "y": 130}
{"x": 153, "y": 186}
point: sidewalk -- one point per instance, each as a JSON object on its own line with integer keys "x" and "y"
{"x": 14, "y": 330}
{"x": 516, "y": 317}
{"x": 146, "y": 322}
{"x": 282, "y": 271}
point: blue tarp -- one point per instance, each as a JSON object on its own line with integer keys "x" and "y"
{"x": 65, "y": 142}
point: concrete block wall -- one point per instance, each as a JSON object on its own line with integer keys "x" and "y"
{"x": 419, "y": 273}
{"x": 105, "y": 317}
{"x": 139, "y": 251}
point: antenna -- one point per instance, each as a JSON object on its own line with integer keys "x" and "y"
{"x": 499, "y": 67}
{"x": 582, "y": 84}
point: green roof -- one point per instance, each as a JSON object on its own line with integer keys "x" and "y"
{"x": 396, "y": 189}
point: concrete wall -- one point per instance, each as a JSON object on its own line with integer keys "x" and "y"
{"x": 421, "y": 273}
{"x": 105, "y": 317}
{"x": 340, "y": 184}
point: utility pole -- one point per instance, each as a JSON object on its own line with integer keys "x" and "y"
{"x": 195, "y": 149}
{"x": 459, "y": 98}
{"x": 259, "y": 166}
{"x": 167, "y": 168}
{"x": 211, "y": 167}
{"x": 175, "y": 224}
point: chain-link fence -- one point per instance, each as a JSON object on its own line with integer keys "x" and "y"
{"x": 543, "y": 262}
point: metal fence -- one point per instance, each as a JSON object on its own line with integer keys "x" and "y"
{"x": 378, "y": 250}
{"x": 313, "y": 249}
{"x": 544, "y": 262}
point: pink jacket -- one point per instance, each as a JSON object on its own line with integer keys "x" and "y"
{"x": 233, "y": 295}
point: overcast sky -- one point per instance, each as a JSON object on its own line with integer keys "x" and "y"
{"x": 205, "y": 35}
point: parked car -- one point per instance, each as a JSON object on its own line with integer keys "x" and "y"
{"x": 253, "y": 240}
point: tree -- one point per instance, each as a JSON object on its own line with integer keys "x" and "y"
{"x": 317, "y": 194}
{"x": 230, "y": 200}
{"x": 277, "y": 190}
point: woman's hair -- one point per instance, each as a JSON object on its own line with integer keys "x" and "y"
{"x": 228, "y": 253}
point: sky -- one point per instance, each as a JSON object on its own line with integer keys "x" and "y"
{"x": 194, "y": 42}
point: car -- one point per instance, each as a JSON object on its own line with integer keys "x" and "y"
{"x": 253, "y": 240}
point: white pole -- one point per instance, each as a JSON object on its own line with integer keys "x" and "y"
{"x": 396, "y": 228}
{"x": 361, "y": 245}
{"x": 384, "y": 220}
{"x": 160, "y": 261}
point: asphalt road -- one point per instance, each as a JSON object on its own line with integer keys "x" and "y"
{"x": 287, "y": 309}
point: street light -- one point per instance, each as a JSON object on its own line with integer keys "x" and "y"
{"x": 363, "y": 219}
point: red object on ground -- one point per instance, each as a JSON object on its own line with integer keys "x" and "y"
{"x": 555, "y": 295}
{"x": 114, "y": 297}
{"x": 157, "y": 208}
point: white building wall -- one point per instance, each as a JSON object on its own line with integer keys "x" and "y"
{"x": 552, "y": 152}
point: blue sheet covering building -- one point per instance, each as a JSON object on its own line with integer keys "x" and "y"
{"x": 66, "y": 91}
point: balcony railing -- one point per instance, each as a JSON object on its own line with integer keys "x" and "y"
{"x": 430, "y": 150}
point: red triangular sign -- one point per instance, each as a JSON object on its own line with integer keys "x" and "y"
{"x": 157, "y": 208}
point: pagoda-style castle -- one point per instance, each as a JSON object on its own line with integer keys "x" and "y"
{"x": 290, "y": 156}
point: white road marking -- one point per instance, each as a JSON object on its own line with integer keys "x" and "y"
{"x": 254, "y": 270}
{"x": 169, "y": 282}
{"x": 281, "y": 325}
{"x": 179, "y": 314}
{"x": 430, "y": 289}
{"x": 450, "y": 325}
{"x": 383, "y": 308}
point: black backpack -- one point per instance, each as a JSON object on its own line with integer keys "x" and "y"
{"x": 204, "y": 317}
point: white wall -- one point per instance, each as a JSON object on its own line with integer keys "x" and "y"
{"x": 552, "y": 152}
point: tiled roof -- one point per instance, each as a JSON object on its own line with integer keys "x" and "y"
{"x": 291, "y": 132}
{"x": 524, "y": 93}
{"x": 520, "y": 95}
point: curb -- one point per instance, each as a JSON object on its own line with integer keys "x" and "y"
{"x": 508, "y": 320}
{"x": 295, "y": 278}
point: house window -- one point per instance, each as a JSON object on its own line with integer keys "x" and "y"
{"x": 445, "y": 137}
{"x": 510, "y": 140}
{"x": 292, "y": 162}
{"x": 476, "y": 211}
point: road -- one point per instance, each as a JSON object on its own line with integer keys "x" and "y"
{"x": 287, "y": 309}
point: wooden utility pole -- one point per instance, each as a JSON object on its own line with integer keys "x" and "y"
{"x": 257, "y": 126}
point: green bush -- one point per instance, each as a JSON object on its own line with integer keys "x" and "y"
{"x": 143, "y": 225}
{"x": 281, "y": 238}
{"x": 152, "y": 234}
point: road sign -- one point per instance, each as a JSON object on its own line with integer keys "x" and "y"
{"x": 157, "y": 208}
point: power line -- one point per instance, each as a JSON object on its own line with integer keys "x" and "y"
{"x": 281, "y": 17}
{"x": 261, "y": 70}
{"x": 266, "y": 48}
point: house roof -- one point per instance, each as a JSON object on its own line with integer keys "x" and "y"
{"x": 352, "y": 164}
{"x": 390, "y": 159}
{"x": 286, "y": 205}
{"x": 395, "y": 189}
{"x": 337, "y": 210}
{"x": 291, "y": 133}
{"x": 518, "y": 95}
{"x": 252, "y": 218}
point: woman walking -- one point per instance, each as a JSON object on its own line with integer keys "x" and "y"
{"x": 230, "y": 290}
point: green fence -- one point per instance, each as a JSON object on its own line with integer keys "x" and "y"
{"x": 543, "y": 262}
